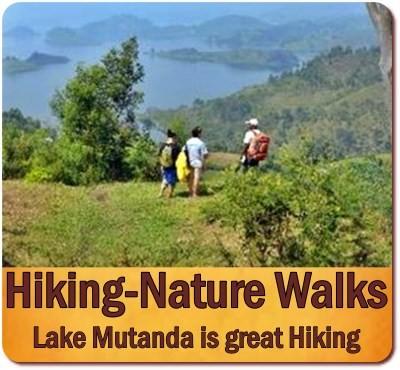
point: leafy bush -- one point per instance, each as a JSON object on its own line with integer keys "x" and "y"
{"x": 72, "y": 164}
{"x": 16, "y": 153}
{"x": 142, "y": 160}
{"x": 19, "y": 147}
{"x": 311, "y": 212}
{"x": 38, "y": 157}
{"x": 39, "y": 174}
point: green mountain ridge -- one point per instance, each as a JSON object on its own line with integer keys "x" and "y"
{"x": 229, "y": 25}
{"x": 338, "y": 98}
{"x": 233, "y": 31}
{"x": 300, "y": 35}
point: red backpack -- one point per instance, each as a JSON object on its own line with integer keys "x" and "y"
{"x": 258, "y": 148}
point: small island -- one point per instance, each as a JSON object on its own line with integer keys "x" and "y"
{"x": 14, "y": 65}
{"x": 276, "y": 60}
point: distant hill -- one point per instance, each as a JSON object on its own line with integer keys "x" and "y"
{"x": 13, "y": 65}
{"x": 20, "y": 32}
{"x": 15, "y": 118}
{"x": 118, "y": 27}
{"x": 177, "y": 13}
{"x": 337, "y": 97}
{"x": 64, "y": 36}
{"x": 114, "y": 28}
{"x": 229, "y": 25}
{"x": 316, "y": 35}
{"x": 284, "y": 12}
{"x": 232, "y": 31}
{"x": 276, "y": 60}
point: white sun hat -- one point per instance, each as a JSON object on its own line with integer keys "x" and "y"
{"x": 252, "y": 122}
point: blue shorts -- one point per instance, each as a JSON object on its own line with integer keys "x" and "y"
{"x": 169, "y": 176}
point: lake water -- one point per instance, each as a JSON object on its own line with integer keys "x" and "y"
{"x": 167, "y": 83}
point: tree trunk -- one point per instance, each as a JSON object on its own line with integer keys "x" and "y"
{"x": 383, "y": 21}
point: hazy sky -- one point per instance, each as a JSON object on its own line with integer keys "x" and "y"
{"x": 42, "y": 16}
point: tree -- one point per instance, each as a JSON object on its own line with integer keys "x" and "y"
{"x": 14, "y": 117}
{"x": 124, "y": 72}
{"x": 96, "y": 108}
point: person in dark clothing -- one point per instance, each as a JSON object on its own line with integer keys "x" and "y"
{"x": 168, "y": 155}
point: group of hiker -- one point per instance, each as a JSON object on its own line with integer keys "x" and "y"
{"x": 186, "y": 164}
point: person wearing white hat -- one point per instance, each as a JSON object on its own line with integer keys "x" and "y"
{"x": 251, "y": 133}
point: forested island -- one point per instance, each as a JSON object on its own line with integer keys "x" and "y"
{"x": 14, "y": 65}
{"x": 276, "y": 60}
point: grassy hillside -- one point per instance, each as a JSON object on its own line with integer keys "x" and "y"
{"x": 337, "y": 98}
{"x": 108, "y": 225}
{"x": 125, "y": 224}
{"x": 118, "y": 224}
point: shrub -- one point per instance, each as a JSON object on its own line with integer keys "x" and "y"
{"x": 73, "y": 165}
{"x": 39, "y": 174}
{"x": 19, "y": 148}
{"x": 311, "y": 212}
{"x": 142, "y": 160}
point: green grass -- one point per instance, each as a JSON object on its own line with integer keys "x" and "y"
{"x": 126, "y": 224}
{"x": 119, "y": 224}
{"x": 221, "y": 160}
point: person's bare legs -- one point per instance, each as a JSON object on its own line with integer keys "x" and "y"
{"x": 170, "y": 192}
{"x": 164, "y": 185}
{"x": 190, "y": 182}
{"x": 196, "y": 182}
